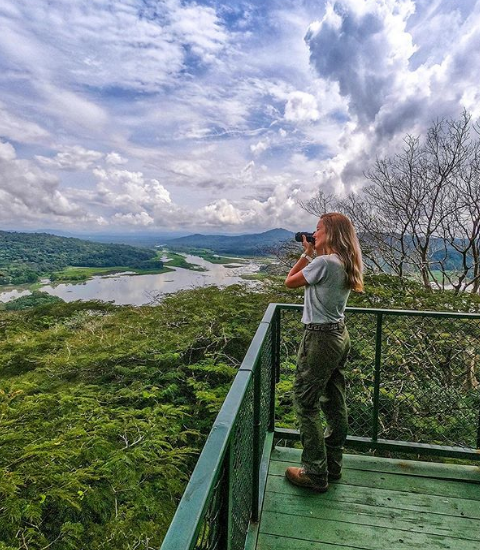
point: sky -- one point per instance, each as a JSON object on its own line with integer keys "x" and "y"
{"x": 216, "y": 116}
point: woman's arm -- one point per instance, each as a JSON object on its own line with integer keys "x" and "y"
{"x": 295, "y": 278}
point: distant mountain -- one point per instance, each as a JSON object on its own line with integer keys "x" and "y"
{"x": 24, "y": 257}
{"x": 256, "y": 244}
{"x": 142, "y": 239}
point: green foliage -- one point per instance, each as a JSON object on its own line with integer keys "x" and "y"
{"x": 35, "y": 299}
{"x": 209, "y": 255}
{"x": 24, "y": 257}
{"x": 104, "y": 409}
{"x": 178, "y": 260}
{"x": 389, "y": 292}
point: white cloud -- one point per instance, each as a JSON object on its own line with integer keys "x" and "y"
{"x": 28, "y": 193}
{"x": 260, "y": 147}
{"x": 130, "y": 44}
{"x": 390, "y": 84}
{"x": 71, "y": 158}
{"x": 7, "y": 151}
{"x": 115, "y": 158}
{"x": 141, "y": 219}
{"x": 301, "y": 107}
{"x": 220, "y": 212}
{"x": 187, "y": 94}
{"x": 199, "y": 27}
{"x": 73, "y": 109}
{"x": 130, "y": 192}
{"x": 248, "y": 172}
{"x": 279, "y": 209}
{"x": 363, "y": 45}
{"x": 20, "y": 130}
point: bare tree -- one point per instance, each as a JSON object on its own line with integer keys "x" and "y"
{"x": 461, "y": 229}
{"x": 446, "y": 159}
{"x": 420, "y": 214}
{"x": 319, "y": 204}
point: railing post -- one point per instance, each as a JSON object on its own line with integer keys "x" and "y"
{"x": 278, "y": 318}
{"x": 478, "y": 430}
{"x": 256, "y": 438}
{"x": 229, "y": 484}
{"x": 274, "y": 366}
{"x": 376, "y": 386}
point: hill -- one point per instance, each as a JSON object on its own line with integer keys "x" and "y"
{"x": 24, "y": 257}
{"x": 256, "y": 244}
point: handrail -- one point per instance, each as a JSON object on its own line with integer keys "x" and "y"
{"x": 224, "y": 494}
{"x": 401, "y": 312}
{"x": 216, "y": 458}
{"x": 195, "y": 500}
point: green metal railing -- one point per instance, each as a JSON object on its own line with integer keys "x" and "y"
{"x": 412, "y": 388}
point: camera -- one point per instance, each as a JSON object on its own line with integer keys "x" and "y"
{"x": 309, "y": 236}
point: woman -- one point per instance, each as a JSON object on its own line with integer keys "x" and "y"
{"x": 319, "y": 382}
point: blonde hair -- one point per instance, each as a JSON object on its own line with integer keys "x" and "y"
{"x": 342, "y": 239}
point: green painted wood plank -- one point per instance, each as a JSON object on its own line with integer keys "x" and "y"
{"x": 398, "y": 482}
{"x": 382, "y": 497}
{"x": 272, "y": 542}
{"x": 253, "y": 528}
{"x": 377, "y": 464}
{"x": 415, "y": 521}
{"x": 359, "y": 536}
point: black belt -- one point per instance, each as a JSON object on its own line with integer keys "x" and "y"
{"x": 324, "y": 327}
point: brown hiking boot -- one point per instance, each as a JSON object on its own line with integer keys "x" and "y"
{"x": 334, "y": 477}
{"x": 298, "y": 477}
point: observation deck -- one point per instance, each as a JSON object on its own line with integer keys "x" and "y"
{"x": 413, "y": 392}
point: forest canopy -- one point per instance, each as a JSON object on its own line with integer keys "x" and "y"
{"x": 104, "y": 409}
{"x": 24, "y": 257}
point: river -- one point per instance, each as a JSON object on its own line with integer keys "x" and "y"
{"x": 129, "y": 289}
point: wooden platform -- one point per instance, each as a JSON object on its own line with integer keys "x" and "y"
{"x": 379, "y": 504}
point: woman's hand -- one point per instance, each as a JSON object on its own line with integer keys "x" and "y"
{"x": 308, "y": 247}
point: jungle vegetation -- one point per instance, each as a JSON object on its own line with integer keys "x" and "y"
{"x": 25, "y": 257}
{"x": 104, "y": 409}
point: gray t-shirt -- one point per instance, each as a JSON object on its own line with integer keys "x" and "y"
{"x": 326, "y": 294}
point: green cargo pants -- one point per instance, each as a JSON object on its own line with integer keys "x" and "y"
{"x": 320, "y": 384}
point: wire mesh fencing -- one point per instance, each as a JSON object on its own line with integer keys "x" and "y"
{"x": 427, "y": 389}
{"x": 241, "y": 472}
{"x": 411, "y": 376}
{"x": 430, "y": 388}
{"x": 231, "y": 501}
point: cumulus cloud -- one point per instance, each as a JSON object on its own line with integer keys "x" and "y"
{"x": 71, "y": 158}
{"x": 27, "y": 193}
{"x": 392, "y": 77}
{"x": 221, "y": 212}
{"x": 115, "y": 158}
{"x": 279, "y": 209}
{"x": 7, "y": 151}
{"x": 225, "y": 114}
{"x": 363, "y": 45}
{"x": 301, "y": 107}
{"x": 141, "y": 219}
{"x": 131, "y": 190}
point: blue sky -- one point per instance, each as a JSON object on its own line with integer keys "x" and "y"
{"x": 214, "y": 116}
